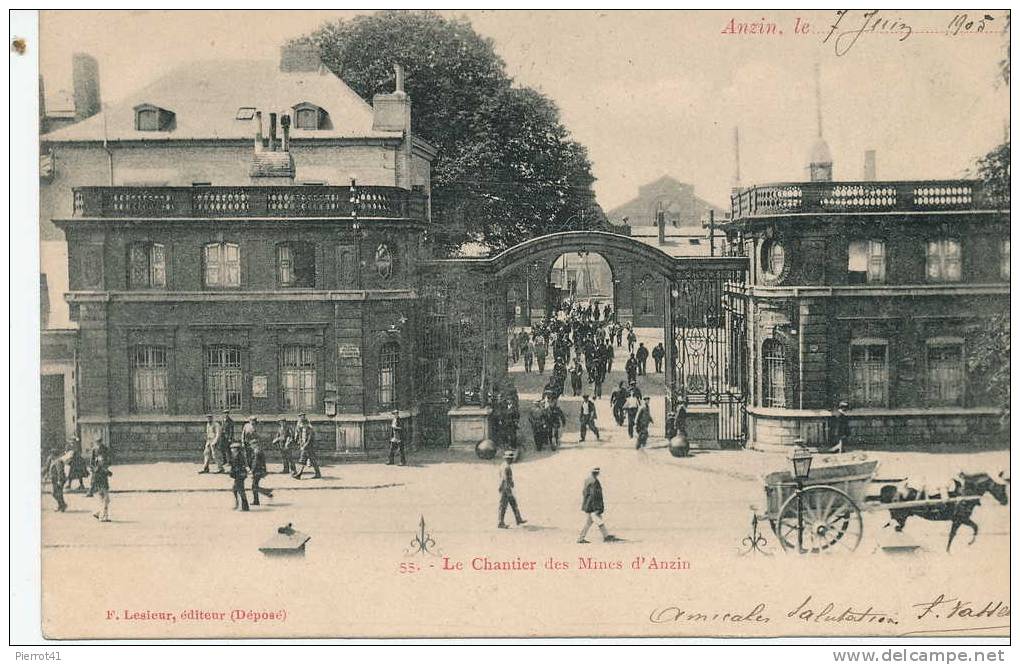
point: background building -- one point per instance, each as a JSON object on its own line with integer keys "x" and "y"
{"x": 675, "y": 199}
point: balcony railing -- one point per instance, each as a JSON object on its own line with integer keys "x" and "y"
{"x": 857, "y": 197}
{"x": 285, "y": 201}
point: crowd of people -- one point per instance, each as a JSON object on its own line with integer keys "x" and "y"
{"x": 62, "y": 467}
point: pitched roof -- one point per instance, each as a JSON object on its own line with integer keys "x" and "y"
{"x": 205, "y": 97}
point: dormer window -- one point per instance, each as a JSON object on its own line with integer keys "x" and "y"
{"x": 149, "y": 118}
{"x": 309, "y": 116}
{"x": 245, "y": 113}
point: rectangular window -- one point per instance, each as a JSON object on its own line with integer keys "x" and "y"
{"x": 149, "y": 378}
{"x": 869, "y": 374}
{"x": 295, "y": 264}
{"x": 297, "y": 373}
{"x": 389, "y": 356}
{"x": 774, "y": 374}
{"x": 223, "y": 377}
{"x": 943, "y": 261}
{"x": 1004, "y": 259}
{"x": 222, "y": 264}
{"x": 147, "y": 265}
{"x": 866, "y": 262}
{"x": 945, "y": 374}
{"x": 148, "y": 120}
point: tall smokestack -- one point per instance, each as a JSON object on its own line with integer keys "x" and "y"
{"x": 285, "y": 124}
{"x": 870, "y": 171}
{"x": 258, "y": 131}
{"x": 272, "y": 132}
{"x": 736, "y": 156}
{"x": 660, "y": 221}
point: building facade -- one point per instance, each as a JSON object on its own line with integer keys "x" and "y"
{"x": 254, "y": 252}
{"x": 871, "y": 293}
{"x": 669, "y": 198}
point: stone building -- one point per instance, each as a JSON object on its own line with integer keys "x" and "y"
{"x": 241, "y": 236}
{"x": 870, "y": 293}
{"x": 676, "y": 200}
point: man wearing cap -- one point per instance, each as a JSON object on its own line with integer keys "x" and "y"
{"x": 99, "y": 450}
{"x": 396, "y": 440}
{"x": 249, "y": 432}
{"x": 212, "y": 437}
{"x": 841, "y": 427}
{"x": 101, "y": 483}
{"x": 226, "y": 435}
{"x": 283, "y": 440}
{"x": 238, "y": 472}
{"x": 53, "y": 470}
{"x": 588, "y": 417}
{"x": 257, "y": 464}
{"x": 506, "y": 492}
{"x": 593, "y": 505}
{"x": 306, "y": 444}
{"x": 641, "y": 422}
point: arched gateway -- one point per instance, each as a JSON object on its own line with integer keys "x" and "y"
{"x": 698, "y": 302}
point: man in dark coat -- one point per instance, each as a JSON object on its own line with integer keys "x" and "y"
{"x": 588, "y": 416}
{"x": 540, "y": 425}
{"x": 397, "y": 440}
{"x": 642, "y": 359}
{"x": 841, "y": 427}
{"x": 541, "y": 352}
{"x": 616, "y": 400}
{"x": 101, "y": 484}
{"x": 641, "y": 423}
{"x": 506, "y": 492}
{"x": 283, "y": 441}
{"x": 631, "y": 367}
{"x": 257, "y": 463}
{"x": 557, "y": 420}
{"x": 576, "y": 378}
{"x": 593, "y": 505}
{"x": 658, "y": 353}
{"x": 226, "y": 435}
{"x": 238, "y": 471}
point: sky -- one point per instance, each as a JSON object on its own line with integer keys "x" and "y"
{"x": 653, "y": 93}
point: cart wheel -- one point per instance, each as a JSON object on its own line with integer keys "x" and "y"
{"x": 832, "y": 521}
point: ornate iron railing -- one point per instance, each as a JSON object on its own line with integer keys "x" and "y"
{"x": 242, "y": 201}
{"x": 855, "y": 197}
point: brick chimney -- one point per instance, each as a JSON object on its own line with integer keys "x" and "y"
{"x": 271, "y": 165}
{"x": 85, "y": 79}
{"x": 870, "y": 169}
{"x": 300, "y": 56}
{"x": 392, "y": 113}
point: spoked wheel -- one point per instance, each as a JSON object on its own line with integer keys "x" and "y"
{"x": 832, "y": 521}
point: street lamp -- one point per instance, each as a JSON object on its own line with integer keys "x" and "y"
{"x": 801, "y": 459}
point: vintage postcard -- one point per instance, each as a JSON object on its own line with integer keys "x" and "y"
{"x": 510, "y": 324}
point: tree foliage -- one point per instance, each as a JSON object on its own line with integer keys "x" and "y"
{"x": 989, "y": 360}
{"x": 507, "y": 169}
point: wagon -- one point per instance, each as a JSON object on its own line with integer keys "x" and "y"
{"x": 828, "y": 503}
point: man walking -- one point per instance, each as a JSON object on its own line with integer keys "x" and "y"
{"x": 631, "y": 339}
{"x": 283, "y": 441}
{"x": 593, "y": 505}
{"x": 238, "y": 472}
{"x": 529, "y": 356}
{"x": 506, "y": 492}
{"x": 631, "y": 367}
{"x": 575, "y": 378}
{"x": 226, "y": 435}
{"x": 212, "y": 437}
{"x": 101, "y": 485}
{"x": 396, "y": 440}
{"x": 541, "y": 351}
{"x": 306, "y": 444}
{"x": 616, "y": 401}
{"x": 642, "y": 359}
{"x": 658, "y": 353}
{"x": 249, "y": 433}
{"x": 841, "y": 427}
{"x": 540, "y": 425}
{"x": 557, "y": 420}
{"x": 631, "y": 407}
{"x": 642, "y": 420}
{"x": 53, "y": 470}
{"x": 257, "y": 463}
{"x": 588, "y": 417}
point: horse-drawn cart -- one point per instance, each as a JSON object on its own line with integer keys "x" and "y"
{"x": 822, "y": 512}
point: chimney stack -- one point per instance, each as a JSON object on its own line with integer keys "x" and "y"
{"x": 870, "y": 171}
{"x": 85, "y": 80}
{"x": 272, "y": 132}
{"x": 285, "y": 125}
{"x": 258, "y": 131}
{"x": 398, "y": 72}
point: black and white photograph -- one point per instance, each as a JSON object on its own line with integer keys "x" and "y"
{"x": 508, "y": 325}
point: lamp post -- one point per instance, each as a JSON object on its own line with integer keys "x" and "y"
{"x": 801, "y": 470}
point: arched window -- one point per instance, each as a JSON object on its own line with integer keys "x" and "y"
{"x": 386, "y": 391}
{"x": 773, "y": 378}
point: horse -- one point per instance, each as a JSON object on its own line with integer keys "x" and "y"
{"x": 959, "y": 511}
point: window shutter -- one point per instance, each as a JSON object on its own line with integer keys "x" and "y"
{"x": 139, "y": 266}
{"x": 157, "y": 266}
